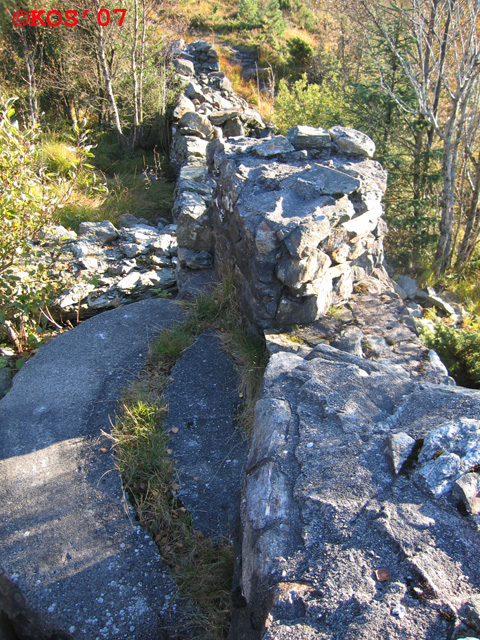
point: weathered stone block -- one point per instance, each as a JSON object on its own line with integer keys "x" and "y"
{"x": 194, "y": 124}
{"x": 303, "y": 137}
{"x": 352, "y": 141}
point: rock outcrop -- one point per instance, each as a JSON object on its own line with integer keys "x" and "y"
{"x": 362, "y": 486}
{"x": 339, "y": 540}
{"x": 74, "y": 564}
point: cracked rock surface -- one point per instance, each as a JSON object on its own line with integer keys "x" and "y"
{"x": 334, "y": 543}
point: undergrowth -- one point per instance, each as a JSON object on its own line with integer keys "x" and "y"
{"x": 203, "y": 568}
{"x": 138, "y": 185}
{"x": 459, "y": 350}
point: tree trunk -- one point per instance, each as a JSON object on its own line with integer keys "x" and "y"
{"x": 142, "y": 64}
{"x": 472, "y": 228}
{"x": 417, "y": 176}
{"x": 135, "y": 80}
{"x": 109, "y": 87}
{"x": 29, "y": 58}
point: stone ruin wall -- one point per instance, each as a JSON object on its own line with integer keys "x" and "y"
{"x": 296, "y": 218}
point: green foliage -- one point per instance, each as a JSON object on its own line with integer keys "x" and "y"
{"x": 309, "y": 104}
{"x": 300, "y": 53}
{"x": 459, "y": 350}
{"x": 248, "y": 12}
{"x": 30, "y": 272}
{"x": 273, "y": 21}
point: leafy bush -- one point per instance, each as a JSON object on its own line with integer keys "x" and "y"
{"x": 459, "y": 350}
{"x": 30, "y": 272}
{"x": 248, "y": 12}
{"x": 274, "y": 23}
{"x": 308, "y": 104}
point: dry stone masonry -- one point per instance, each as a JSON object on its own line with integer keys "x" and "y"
{"x": 297, "y": 219}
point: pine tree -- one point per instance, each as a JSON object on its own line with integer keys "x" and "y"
{"x": 273, "y": 20}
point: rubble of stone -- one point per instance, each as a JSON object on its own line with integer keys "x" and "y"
{"x": 113, "y": 266}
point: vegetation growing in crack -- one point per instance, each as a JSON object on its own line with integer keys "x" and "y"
{"x": 203, "y": 568}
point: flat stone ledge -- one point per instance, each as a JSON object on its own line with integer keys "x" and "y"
{"x": 73, "y": 562}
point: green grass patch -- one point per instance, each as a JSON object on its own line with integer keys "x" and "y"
{"x": 112, "y": 184}
{"x": 57, "y": 156}
{"x": 203, "y": 568}
{"x": 125, "y": 193}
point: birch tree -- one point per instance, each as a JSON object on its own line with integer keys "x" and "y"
{"x": 442, "y": 65}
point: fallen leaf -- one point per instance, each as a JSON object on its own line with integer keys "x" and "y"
{"x": 175, "y": 430}
{"x": 382, "y": 575}
{"x": 103, "y": 450}
{"x": 169, "y": 452}
{"x": 195, "y": 479}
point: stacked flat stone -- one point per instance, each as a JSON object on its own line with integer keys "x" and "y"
{"x": 207, "y": 110}
{"x": 298, "y": 220}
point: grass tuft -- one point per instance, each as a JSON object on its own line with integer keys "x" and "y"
{"x": 57, "y": 156}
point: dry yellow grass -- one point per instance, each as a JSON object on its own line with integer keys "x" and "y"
{"x": 295, "y": 32}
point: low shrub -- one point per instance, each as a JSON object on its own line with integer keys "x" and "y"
{"x": 459, "y": 350}
{"x": 30, "y": 273}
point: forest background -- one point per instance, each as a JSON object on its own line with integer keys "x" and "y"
{"x": 86, "y": 119}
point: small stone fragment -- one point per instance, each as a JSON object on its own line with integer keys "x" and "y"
{"x": 409, "y": 285}
{"x": 350, "y": 340}
{"x": 382, "y": 575}
{"x": 101, "y": 232}
{"x": 399, "y": 611}
{"x": 352, "y": 141}
{"x": 467, "y": 489}
{"x": 437, "y": 476}
{"x": 303, "y": 137}
{"x": 472, "y": 613}
{"x": 399, "y": 448}
{"x": 272, "y": 147}
{"x": 184, "y": 67}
